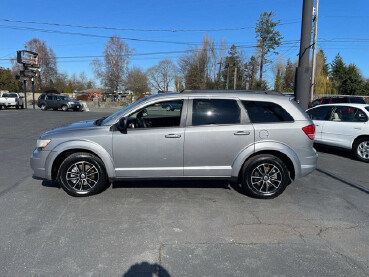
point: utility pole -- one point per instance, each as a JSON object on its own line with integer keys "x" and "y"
{"x": 303, "y": 71}
{"x": 25, "y": 92}
{"x": 227, "y": 66}
{"x": 235, "y": 77}
{"x": 220, "y": 68}
{"x": 314, "y": 49}
{"x": 33, "y": 93}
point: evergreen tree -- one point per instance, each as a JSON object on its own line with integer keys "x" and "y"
{"x": 251, "y": 70}
{"x": 289, "y": 77}
{"x": 268, "y": 38}
{"x": 338, "y": 71}
{"x": 69, "y": 88}
{"x": 233, "y": 60}
{"x": 352, "y": 83}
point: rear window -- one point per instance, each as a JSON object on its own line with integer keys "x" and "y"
{"x": 266, "y": 112}
{"x": 10, "y": 95}
{"x": 215, "y": 111}
{"x": 357, "y": 100}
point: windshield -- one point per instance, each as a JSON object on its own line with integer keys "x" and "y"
{"x": 118, "y": 113}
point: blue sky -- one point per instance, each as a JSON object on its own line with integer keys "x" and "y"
{"x": 343, "y": 23}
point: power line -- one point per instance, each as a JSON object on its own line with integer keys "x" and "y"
{"x": 140, "y": 30}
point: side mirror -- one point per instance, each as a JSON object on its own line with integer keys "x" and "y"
{"x": 122, "y": 124}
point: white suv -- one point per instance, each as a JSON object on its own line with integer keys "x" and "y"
{"x": 343, "y": 125}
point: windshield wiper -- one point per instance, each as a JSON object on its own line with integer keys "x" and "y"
{"x": 100, "y": 120}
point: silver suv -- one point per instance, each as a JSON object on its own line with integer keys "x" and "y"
{"x": 262, "y": 140}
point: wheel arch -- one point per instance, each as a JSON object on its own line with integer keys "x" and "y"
{"x": 282, "y": 151}
{"x": 60, "y": 152}
{"x": 358, "y": 138}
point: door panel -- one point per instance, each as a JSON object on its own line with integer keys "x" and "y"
{"x": 211, "y": 150}
{"x": 156, "y": 152}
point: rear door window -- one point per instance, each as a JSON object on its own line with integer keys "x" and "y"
{"x": 348, "y": 114}
{"x": 215, "y": 111}
{"x": 266, "y": 112}
{"x": 320, "y": 113}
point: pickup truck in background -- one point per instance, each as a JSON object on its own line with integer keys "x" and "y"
{"x": 11, "y": 99}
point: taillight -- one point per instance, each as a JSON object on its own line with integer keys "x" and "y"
{"x": 16, "y": 99}
{"x": 310, "y": 131}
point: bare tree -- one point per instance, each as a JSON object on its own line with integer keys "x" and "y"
{"x": 162, "y": 74}
{"x": 279, "y": 69}
{"x": 113, "y": 70}
{"x": 178, "y": 83}
{"x": 47, "y": 59}
{"x": 137, "y": 81}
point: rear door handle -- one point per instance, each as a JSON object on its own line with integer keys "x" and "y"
{"x": 242, "y": 133}
{"x": 172, "y": 136}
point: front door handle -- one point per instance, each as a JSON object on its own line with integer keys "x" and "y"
{"x": 242, "y": 133}
{"x": 172, "y": 136}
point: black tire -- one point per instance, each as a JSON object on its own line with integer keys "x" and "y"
{"x": 17, "y": 107}
{"x": 55, "y": 109}
{"x": 22, "y": 106}
{"x": 360, "y": 149}
{"x": 64, "y": 108}
{"x": 265, "y": 166}
{"x": 43, "y": 107}
{"x": 82, "y": 163}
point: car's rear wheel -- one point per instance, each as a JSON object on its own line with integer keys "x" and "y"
{"x": 64, "y": 108}
{"x": 82, "y": 174}
{"x": 17, "y": 107}
{"x": 264, "y": 176}
{"x": 43, "y": 107}
{"x": 361, "y": 149}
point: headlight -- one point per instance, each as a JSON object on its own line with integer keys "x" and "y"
{"x": 42, "y": 143}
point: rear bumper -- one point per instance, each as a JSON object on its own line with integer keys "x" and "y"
{"x": 37, "y": 162}
{"x": 309, "y": 164}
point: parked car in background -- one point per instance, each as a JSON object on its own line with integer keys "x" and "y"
{"x": 171, "y": 106}
{"x": 12, "y": 99}
{"x": 262, "y": 140}
{"x": 337, "y": 100}
{"x": 56, "y": 102}
{"x": 343, "y": 125}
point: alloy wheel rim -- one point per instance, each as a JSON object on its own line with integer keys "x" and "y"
{"x": 266, "y": 178}
{"x": 363, "y": 150}
{"x": 82, "y": 177}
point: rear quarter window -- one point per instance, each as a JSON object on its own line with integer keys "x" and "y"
{"x": 266, "y": 112}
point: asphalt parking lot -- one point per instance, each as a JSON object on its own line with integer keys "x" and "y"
{"x": 317, "y": 227}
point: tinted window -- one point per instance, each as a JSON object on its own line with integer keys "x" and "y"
{"x": 316, "y": 102}
{"x": 339, "y": 100}
{"x": 325, "y": 101}
{"x": 348, "y": 114}
{"x": 266, "y": 112}
{"x": 320, "y": 113}
{"x": 215, "y": 111}
{"x": 367, "y": 108}
{"x": 357, "y": 100}
{"x": 42, "y": 97}
{"x": 51, "y": 97}
{"x": 161, "y": 114}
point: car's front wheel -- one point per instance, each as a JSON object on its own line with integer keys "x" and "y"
{"x": 361, "y": 149}
{"x": 82, "y": 174}
{"x": 264, "y": 176}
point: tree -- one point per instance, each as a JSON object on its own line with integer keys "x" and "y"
{"x": 338, "y": 71}
{"x": 323, "y": 85}
{"x": 268, "y": 38}
{"x": 289, "y": 77}
{"x": 162, "y": 74}
{"x": 353, "y": 83}
{"x": 113, "y": 70}
{"x": 233, "y": 60}
{"x": 47, "y": 60}
{"x": 251, "y": 70}
{"x": 8, "y": 82}
{"x": 69, "y": 88}
{"x": 137, "y": 81}
{"x": 60, "y": 82}
{"x": 178, "y": 83}
{"x": 279, "y": 70}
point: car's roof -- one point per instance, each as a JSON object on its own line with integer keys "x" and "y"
{"x": 223, "y": 93}
{"x": 356, "y": 105}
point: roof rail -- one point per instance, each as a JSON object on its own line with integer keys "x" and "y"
{"x": 269, "y": 92}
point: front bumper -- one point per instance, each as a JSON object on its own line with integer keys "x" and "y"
{"x": 74, "y": 106}
{"x": 38, "y": 162}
